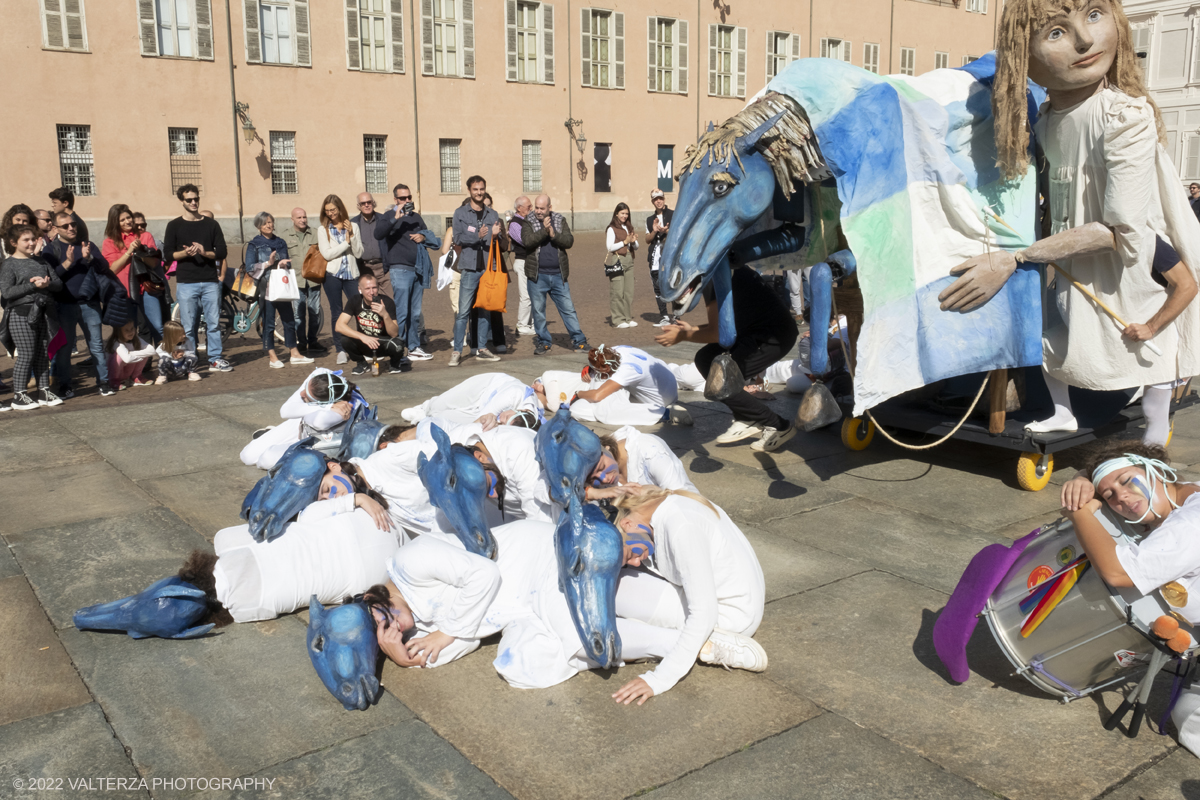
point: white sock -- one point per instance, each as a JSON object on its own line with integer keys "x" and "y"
{"x": 1063, "y": 418}
{"x": 1156, "y": 406}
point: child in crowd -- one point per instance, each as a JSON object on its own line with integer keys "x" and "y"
{"x": 174, "y": 362}
{"x": 128, "y": 355}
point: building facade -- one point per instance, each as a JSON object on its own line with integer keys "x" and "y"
{"x": 270, "y": 104}
{"x": 1166, "y": 35}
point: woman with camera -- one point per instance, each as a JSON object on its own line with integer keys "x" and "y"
{"x": 123, "y": 243}
{"x": 27, "y": 286}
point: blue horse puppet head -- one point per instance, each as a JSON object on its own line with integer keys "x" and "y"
{"x": 728, "y": 181}
{"x": 458, "y": 486}
{"x": 169, "y": 609}
{"x": 343, "y": 650}
{"x": 590, "y": 554}
{"x": 568, "y": 452}
{"x": 292, "y": 484}
{"x": 360, "y": 437}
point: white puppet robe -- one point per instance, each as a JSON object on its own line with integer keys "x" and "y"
{"x": 1106, "y": 166}
{"x": 486, "y": 393}
{"x": 299, "y": 418}
{"x": 616, "y": 409}
{"x": 469, "y": 597}
{"x": 651, "y": 462}
{"x": 331, "y": 556}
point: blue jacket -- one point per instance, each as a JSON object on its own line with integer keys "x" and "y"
{"x": 395, "y": 248}
{"x": 260, "y": 247}
{"x": 73, "y": 274}
{"x": 424, "y": 264}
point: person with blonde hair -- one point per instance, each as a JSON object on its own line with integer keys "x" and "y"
{"x": 174, "y": 360}
{"x": 340, "y": 243}
{"x": 1114, "y": 198}
{"x": 713, "y": 592}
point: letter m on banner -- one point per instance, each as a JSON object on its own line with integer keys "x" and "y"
{"x": 666, "y": 167}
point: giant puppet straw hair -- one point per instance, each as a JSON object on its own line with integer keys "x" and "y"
{"x": 1021, "y": 20}
{"x": 790, "y": 147}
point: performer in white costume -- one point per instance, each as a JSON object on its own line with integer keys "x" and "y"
{"x": 486, "y": 393}
{"x": 633, "y": 457}
{"x": 623, "y": 386}
{"x": 320, "y": 408}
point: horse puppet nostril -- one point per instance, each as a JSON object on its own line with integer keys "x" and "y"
{"x": 676, "y": 278}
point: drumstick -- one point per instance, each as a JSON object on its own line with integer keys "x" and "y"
{"x": 1116, "y": 318}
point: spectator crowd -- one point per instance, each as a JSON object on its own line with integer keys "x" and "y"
{"x": 167, "y": 304}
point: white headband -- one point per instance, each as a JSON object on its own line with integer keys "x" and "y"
{"x": 1155, "y": 471}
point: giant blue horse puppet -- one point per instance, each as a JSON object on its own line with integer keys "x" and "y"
{"x": 293, "y": 484}
{"x": 458, "y": 486}
{"x": 344, "y": 651}
{"x": 587, "y": 546}
{"x": 914, "y": 164}
{"x": 169, "y": 608}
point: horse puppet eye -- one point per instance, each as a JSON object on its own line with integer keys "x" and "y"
{"x": 452, "y": 480}
{"x": 318, "y": 644}
{"x": 721, "y": 188}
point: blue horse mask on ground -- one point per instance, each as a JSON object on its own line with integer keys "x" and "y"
{"x": 360, "y": 438}
{"x": 292, "y": 484}
{"x": 568, "y": 453}
{"x": 458, "y": 486}
{"x": 344, "y": 651}
{"x": 590, "y": 555}
{"x": 169, "y": 609}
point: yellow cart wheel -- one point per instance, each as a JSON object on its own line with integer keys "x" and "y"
{"x": 1034, "y": 471}
{"x": 857, "y": 432}
{"x": 1170, "y": 436}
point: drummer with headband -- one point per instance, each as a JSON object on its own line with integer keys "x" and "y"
{"x": 320, "y": 407}
{"x": 1136, "y": 483}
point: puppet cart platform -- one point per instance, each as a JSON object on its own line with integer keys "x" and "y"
{"x": 1036, "y": 462}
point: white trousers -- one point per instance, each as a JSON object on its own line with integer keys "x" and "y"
{"x": 524, "y": 309}
{"x": 265, "y": 451}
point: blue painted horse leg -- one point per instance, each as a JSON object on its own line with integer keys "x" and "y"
{"x": 820, "y": 280}
{"x": 723, "y": 291}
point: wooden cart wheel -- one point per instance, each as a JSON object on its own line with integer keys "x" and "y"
{"x": 857, "y": 432}
{"x": 1032, "y": 474}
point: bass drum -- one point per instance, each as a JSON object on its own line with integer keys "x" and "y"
{"x": 1096, "y": 636}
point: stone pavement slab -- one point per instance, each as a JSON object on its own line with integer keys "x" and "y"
{"x": 923, "y": 549}
{"x": 229, "y": 704}
{"x": 8, "y": 565}
{"x": 209, "y": 499}
{"x": 790, "y": 567}
{"x": 826, "y": 757}
{"x": 42, "y": 449}
{"x": 177, "y": 450}
{"x": 748, "y": 498}
{"x": 1176, "y": 777}
{"x": 99, "y": 560}
{"x": 573, "y": 740}
{"x": 38, "y": 676}
{"x": 405, "y": 760}
{"x": 255, "y": 410}
{"x": 104, "y": 423}
{"x": 57, "y": 751}
{"x": 975, "y": 497}
{"x": 62, "y": 495}
{"x": 862, "y": 648}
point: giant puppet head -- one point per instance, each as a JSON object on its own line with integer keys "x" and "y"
{"x": 343, "y": 650}
{"x": 589, "y": 552}
{"x": 291, "y": 485}
{"x": 169, "y": 608}
{"x": 459, "y": 487}
{"x": 568, "y": 452}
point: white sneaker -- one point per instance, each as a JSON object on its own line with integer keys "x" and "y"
{"x": 526, "y": 330}
{"x": 662, "y": 323}
{"x": 1065, "y": 423}
{"x": 773, "y": 439}
{"x": 733, "y": 651}
{"x": 680, "y": 415}
{"x": 300, "y": 360}
{"x": 419, "y": 355}
{"x": 739, "y": 430}
{"x": 622, "y": 325}
{"x": 343, "y": 358}
{"x": 455, "y": 359}
{"x": 631, "y": 324}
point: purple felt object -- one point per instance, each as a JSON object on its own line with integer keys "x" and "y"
{"x": 958, "y": 619}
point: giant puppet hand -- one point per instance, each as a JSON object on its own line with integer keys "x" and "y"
{"x": 979, "y": 278}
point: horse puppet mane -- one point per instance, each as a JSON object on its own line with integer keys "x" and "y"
{"x": 790, "y": 147}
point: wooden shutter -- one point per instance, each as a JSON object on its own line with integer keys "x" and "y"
{"x": 585, "y": 37}
{"x": 547, "y": 42}
{"x": 52, "y": 18}
{"x": 426, "y": 37}
{"x": 397, "y": 21}
{"x": 147, "y": 28}
{"x": 1193, "y": 156}
{"x": 510, "y": 37}
{"x": 652, "y": 31}
{"x": 76, "y": 39}
{"x": 353, "y": 45}
{"x": 302, "y": 30}
{"x": 846, "y": 51}
{"x": 253, "y": 34}
{"x": 712, "y": 60}
{"x": 741, "y": 62}
{"x": 618, "y": 50}
{"x": 770, "y": 55}
{"x": 204, "y": 33}
{"x": 795, "y": 48}
{"x": 468, "y": 38}
{"x": 681, "y": 56}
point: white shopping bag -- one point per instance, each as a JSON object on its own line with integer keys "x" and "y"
{"x": 445, "y": 274}
{"x": 282, "y": 286}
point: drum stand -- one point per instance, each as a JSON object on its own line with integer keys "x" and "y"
{"x": 1137, "y": 697}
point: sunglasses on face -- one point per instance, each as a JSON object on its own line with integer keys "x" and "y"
{"x": 405, "y": 197}
{"x": 367, "y": 203}
{"x": 191, "y": 199}
{"x": 70, "y": 225}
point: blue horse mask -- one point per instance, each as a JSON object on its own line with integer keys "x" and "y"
{"x": 590, "y": 556}
{"x": 360, "y": 438}
{"x": 458, "y": 485}
{"x": 343, "y": 650}
{"x": 568, "y": 452}
{"x": 169, "y": 608}
{"x": 292, "y": 484}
